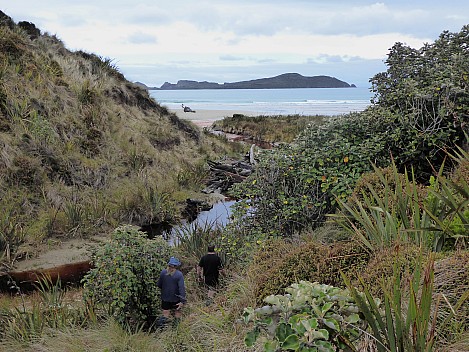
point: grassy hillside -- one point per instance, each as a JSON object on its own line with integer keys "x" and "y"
{"x": 82, "y": 148}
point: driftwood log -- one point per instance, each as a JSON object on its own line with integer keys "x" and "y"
{"x": 225, "y": 174}
{"x": 26, "y": 281}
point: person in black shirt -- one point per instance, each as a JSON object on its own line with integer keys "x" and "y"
{"x": 209, "y": 268}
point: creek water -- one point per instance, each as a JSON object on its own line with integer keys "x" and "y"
{"x": 217, "y": 216}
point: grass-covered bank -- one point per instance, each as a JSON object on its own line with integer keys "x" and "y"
{"x": 83, "y": 149}
{"x": 373, "y": 202}
{"x": 271, "y": 129}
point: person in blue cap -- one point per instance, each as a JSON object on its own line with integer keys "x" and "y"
{"x": 173, "y": 291}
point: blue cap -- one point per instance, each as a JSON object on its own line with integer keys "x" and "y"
{"x": 174, "y": 261}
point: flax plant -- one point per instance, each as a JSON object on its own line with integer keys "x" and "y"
{"x": 49, "y": 311}
{"x": 401, "y": 327}
{"x": 449, "y": 206}
{"x": 379, "y": 220}
{"x": 192, "y": 239}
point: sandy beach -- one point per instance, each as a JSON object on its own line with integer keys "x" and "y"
{"x": 205, "y": 118}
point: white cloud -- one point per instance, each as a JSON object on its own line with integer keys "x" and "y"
{"x": 225, "y": 38}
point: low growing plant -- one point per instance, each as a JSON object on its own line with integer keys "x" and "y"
{"x": 394, "y": 211}
{"x": 192, "y": 239}
{"x": 48, "y": 311}
{"x": 309, "y": 317}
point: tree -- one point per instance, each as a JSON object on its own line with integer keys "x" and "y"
{"x": 427, "y": 89}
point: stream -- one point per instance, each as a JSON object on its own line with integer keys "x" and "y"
{"x": 217, "y": 216}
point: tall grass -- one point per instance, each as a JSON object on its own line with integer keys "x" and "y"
{"x": 43, "y": 311}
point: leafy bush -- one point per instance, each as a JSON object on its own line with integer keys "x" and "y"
{"x": 125, "y": 274}
{"x": 309, "y": 317}
{"x": 420, "y": 108}
{"x": 427, "y": 91}
{"x": 295, "y": 186}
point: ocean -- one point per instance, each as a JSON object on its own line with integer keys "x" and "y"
{"x": 301, "y": 101}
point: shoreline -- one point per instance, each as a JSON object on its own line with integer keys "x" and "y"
{"x": 205, "y": 118}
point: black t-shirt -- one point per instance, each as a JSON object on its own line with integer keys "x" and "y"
{"x": 211, "y": 263}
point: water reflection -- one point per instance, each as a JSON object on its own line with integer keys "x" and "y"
{"x": 218, "y": 216}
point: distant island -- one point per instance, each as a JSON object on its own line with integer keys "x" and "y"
{"x": 286, "y": 80}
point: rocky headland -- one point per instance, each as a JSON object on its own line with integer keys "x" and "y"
{"x": 286, "y": 80}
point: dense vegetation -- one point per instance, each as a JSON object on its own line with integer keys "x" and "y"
{"x": 360, "y": 224}
{"x": 421, "y": 112}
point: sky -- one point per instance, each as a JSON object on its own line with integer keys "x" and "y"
{"x": 236, "y": 40}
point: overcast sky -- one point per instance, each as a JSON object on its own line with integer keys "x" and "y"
{"x": 233, "y": 40}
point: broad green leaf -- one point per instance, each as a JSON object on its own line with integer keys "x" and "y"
{"x": 291, "y": 343}
{"x": 352, "y": 318}
{"x": 321, "y": 334}
{"x": 251, "y": 338}
{"x": 282, "y": 331}
{"x": 331, "y": 324}
{"x": 270, "y": 346}
{"x": 325, "y": 346}
{"x": 326, "y": 307}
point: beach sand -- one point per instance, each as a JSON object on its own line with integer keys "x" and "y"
{"x": 205, "y": 118}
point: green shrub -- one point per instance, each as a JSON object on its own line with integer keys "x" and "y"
{"x": 125, "y": 274}
{"x": 309, "y": 317}
{"x": 294, "y": 186}
{"x": 426, "y": 89}
{"x": 419, "y": 111}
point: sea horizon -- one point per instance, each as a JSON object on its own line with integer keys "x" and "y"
{"x": 287, "y": 101}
